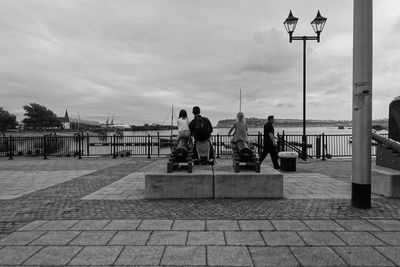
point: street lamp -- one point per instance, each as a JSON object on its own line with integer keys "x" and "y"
{"x": 318, "y": 25}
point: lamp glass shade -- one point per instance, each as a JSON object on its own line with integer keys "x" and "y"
{"x": 290, "y": 23}
{"x": 318, "y": 23}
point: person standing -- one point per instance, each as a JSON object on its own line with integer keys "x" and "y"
{"x": 270, "y": 143}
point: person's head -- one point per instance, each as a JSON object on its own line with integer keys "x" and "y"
{"x": 196, "y": 110}
{"x": 240, "y": 116}
{"x": 271, "y": 119}
{"x": 182, "y": 114}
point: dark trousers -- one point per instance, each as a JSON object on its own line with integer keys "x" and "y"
{"x": 270, "y": 149}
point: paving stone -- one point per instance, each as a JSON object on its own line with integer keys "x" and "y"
{"x": 357, "y": 225}
{"x": 55, "y": 238}
{"x": 14, "y": 255}
{"x": 390, "y": 238}
{"x": 168, "y": 238}
{"x": 282, "y": 238}
{"x": 86, "y": 225}
{"x": 21, "y": 238}
{"x": 359, "y": 239}
{"x": 122, "y": 225}
{"x": 244, "y": 238}
{"x": 317, "y": 256}
{"x": 184, "y": 255}
{"x": 221, "y": 225}
{"x": 61, "y": 225}
{"x": 323, "y": 225}
{"x": 93, "y": 238}
{"x": 272, "y": 256}
{"x": 32, "y": 225}
{"x": 97, "y": 255}
{"x": 289, "y": 225}
{"x": 255, "y": 225}
{"x": 206, "y": 238}
{"x": 387, "y": 225}
{"x": 53, "y": 255}
{"x": 362, "y": 256}
{"x": 189, "y": 225}
{"x": 130, "y": 238}
{"x": 140, "y": 255}
{"x": 321, "y": 239}
{"x": 228, "y": 256}
{"x": 393, "y": 253}
{"x": 155, "y": 225}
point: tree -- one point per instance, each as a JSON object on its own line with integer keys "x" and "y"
{"x": 38, "y": 116}
{"x": 7, "y": 120}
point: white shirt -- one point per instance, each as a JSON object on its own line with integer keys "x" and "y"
{"x": 183, "y": 124}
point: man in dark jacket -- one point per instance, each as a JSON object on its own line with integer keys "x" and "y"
{"x": 200, "y": 127}
{"x": 270, "y": 143}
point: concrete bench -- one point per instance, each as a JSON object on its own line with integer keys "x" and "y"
{"x": 385, "y": 181}
{"x": 288, "y": 160}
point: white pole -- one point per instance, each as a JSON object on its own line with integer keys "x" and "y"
{"x": 362, "y": 104}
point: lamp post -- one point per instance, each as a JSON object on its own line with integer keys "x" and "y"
{"x": 318, "y": 25}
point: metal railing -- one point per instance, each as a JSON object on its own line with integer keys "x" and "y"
{"x": 319, "y": 146}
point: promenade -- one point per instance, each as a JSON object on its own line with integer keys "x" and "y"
{"x": 91, "y": 212}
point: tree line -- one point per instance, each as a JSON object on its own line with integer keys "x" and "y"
{"x": 36, "y": 117}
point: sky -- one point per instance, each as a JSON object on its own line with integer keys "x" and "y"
{"x": 134, "y": 59}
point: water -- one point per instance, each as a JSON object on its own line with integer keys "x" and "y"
{"x": 253, "y": 131}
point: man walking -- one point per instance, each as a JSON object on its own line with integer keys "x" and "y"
{"x": 270, "y": 143}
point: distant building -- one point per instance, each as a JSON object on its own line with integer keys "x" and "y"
{"x": 65, "y": 121}
{"x": 76, "y": 124}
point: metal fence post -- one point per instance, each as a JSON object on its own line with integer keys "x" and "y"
{"x": 323, "y": 146}
{"x": 318, "y": 147}
{"x": 148, "y": 146}
{"x": 259, "y": 142}
{"x": 278, "y": 142}
{"x": 158, "y": 144}
{"x": 218, "y": 144}
{"x": 283, "y": 141}
{"x": 113, "y": 147}
{"x": 10, "y": 150}
{"x": 44, "y": 147}
{"x": 79, "y": 147}
{"x": 87, "y": 144}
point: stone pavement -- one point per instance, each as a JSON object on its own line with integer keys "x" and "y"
{"x": 91, "y": 212}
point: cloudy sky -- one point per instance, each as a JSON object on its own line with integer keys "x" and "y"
{"x": 136, "y": 58}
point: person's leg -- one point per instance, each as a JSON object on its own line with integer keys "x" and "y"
{"x": 274, "y": 157}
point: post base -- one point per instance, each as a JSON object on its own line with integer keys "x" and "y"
{"x": 361, "y": 196}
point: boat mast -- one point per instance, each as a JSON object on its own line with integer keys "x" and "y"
{"x": 172, "y": 119}
{"x": 240, "y": 101}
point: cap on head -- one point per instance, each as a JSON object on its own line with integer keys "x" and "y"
{"x": 196, "y": 110}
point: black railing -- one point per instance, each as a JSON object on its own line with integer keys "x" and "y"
{"x": 319, "y": 146}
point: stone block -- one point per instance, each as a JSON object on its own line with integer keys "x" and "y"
{"x": 220, "y": 182}
{"x": 198, "y": 184}
{"x": 184, "y": 255}
{"x": 385, "y": 181}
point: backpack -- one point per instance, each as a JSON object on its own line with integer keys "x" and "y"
{"x": 201, "y": 129}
